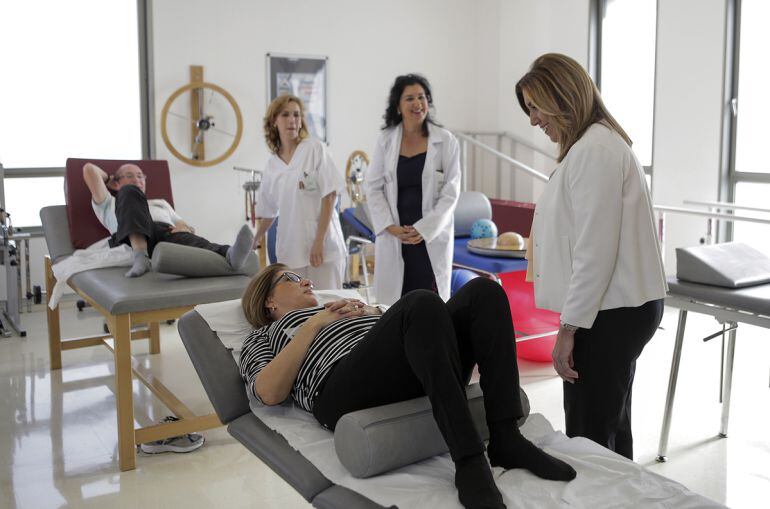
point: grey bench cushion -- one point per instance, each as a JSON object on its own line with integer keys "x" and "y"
{"x": 729, "y": 265}
{"x": 56, "y": 229}
{"x": 375, "y": 440}
{"x": 755, "y": 299}
{"x": 118, "y": 294}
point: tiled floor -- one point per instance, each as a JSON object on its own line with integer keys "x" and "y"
{"x": 58, "y": 440}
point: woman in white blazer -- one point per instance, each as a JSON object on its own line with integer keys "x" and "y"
{"x": 301, "y": 184}
{"x": 594, "y": 253}
{"x": 411, "y": 187}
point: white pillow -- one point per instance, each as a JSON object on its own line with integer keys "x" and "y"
{"x": 229, "y": 323}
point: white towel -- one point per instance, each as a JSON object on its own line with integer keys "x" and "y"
{"x": 97, "y": 256}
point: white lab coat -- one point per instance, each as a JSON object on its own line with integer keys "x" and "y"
{"x": 440, "y": 190}
{"x": 594, "y": 233}
{"x": 294, "y": 192}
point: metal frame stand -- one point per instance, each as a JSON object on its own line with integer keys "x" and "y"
{"x": 731, "y": 318}
{"x": 10, "y": 258}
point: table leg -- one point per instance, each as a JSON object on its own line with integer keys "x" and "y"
{"x": 154, "y": 337}
{"x": 120, "y": 326}
{"x": 666, "y": 427}
{"x": 54, "y": 327}
{"x": 728, "y": 387}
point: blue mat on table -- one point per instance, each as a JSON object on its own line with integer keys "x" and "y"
{"x": 487, "y": 263}
{"x": 461, "y": 253}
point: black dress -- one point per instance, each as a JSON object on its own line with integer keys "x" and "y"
{"x": 418, "y": 272}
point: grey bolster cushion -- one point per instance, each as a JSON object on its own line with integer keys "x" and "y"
{"x": 729, "y": 265}
{"x": 369, "y": 442}
{"x": 189, "y": 261}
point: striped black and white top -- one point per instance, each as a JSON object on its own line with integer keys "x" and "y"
{"x": 331, "y": 344}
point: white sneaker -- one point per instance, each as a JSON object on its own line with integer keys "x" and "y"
{"x": 182, "y": 443}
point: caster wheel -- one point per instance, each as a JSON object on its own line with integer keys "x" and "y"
{"x": 37, "y": 294}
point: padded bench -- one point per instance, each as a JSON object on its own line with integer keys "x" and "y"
{"x": 730, "y": 282}
{"x": 125, "y": 303}
{"x": 367, "y": 442}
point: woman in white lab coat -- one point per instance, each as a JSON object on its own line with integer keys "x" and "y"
{"x": 301, "y": 183}
{"x": 594, "y": 254}
{"x": 412, "y": 186}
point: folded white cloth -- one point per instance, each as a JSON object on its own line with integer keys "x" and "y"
{"x": 96, "y": 256}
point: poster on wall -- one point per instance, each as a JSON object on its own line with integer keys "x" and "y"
{"x": 304, "y": 77}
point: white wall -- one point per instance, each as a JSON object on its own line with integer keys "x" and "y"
{"x": 473, "y": 53}
{"x": 688, "y": 113}
{"x": 688, "y": 95}
{"x": 452, "y": 42}
{"x": 528, "y": 30}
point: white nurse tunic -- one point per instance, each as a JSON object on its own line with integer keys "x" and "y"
{"x": 294, "y": 191}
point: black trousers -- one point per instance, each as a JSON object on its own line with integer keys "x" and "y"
{"x": 598, "y": 404}
{"x": 418, "y": 271}
{"x": 133, "y": 216}
{"x": 423, "y": 346}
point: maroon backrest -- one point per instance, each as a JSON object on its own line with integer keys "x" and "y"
{"x": 513, "y": 216}
{"x": 85, "y": 228}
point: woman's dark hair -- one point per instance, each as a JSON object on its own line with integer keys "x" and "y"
{"x": 392, "y": 117}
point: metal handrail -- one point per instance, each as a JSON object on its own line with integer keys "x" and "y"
{"x": 34, "y": 172}
{"x": 724, "y": 205}
{"x": 712, "y": 215}
{"x": 505, "y": 157}
{"x": 663, "y": 209}
{"x": 512, "y": 137}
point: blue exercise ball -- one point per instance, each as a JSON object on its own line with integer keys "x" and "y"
{"x": 483, "y": 228}
{"x": 459, "y": 278}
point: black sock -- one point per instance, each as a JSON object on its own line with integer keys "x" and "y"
{"x": 476, "y": 487}
{"x": 509, "y": 449}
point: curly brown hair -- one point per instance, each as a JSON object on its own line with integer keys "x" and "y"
{"x": 272, "y": 138}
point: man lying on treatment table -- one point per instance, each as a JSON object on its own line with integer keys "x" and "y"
{"x": 120, "y": 204}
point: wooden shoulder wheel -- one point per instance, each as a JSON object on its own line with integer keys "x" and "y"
{"x": 214, "y": 124}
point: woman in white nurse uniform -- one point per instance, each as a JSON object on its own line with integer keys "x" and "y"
{"x": 412, "y": 188}
{"x": 300, "y": 184}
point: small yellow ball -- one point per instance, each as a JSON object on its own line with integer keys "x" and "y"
{"x": 512, "y": 240}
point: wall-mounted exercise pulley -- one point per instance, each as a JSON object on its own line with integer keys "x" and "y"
{"x": 211, "y": 117}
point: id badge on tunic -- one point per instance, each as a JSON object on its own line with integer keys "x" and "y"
{"x": 308, "y": 182}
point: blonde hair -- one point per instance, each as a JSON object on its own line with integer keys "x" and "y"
{"x": 272, "y": 138}
{"x": 561, "y": 88}
{"x": 254, "y": 300}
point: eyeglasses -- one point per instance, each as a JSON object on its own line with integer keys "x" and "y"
{"x": 288, "y": 276}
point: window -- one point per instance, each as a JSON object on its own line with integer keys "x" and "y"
{"x": 70, "y": 88}
{"x": 626, "y": 74}
{"x": 751, "y": 194}
{"x": 749, "y": 170}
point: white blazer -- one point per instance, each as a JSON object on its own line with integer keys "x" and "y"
{"x": 440, "y": 190}
{"x": 594, "y": 232}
